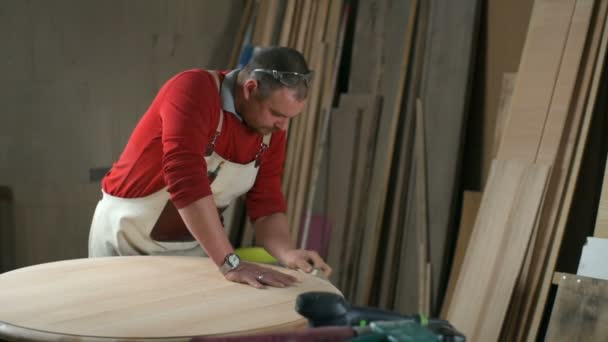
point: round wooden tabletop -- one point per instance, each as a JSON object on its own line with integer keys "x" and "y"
{"x": 142, "y": 297}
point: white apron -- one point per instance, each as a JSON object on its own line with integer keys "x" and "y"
{"x": 122, "y": 226}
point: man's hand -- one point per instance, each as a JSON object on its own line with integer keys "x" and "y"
{"x": 304, "y": 260}
{"x": 258, "y": 276}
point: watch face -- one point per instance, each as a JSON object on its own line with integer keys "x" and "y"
{"x": 233, "y": 259}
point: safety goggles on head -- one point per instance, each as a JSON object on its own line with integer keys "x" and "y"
{"x": 287, "y": 78}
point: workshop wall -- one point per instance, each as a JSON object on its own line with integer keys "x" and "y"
{"x": 76, "y": 77}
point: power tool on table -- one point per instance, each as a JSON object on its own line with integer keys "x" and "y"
{"x": 329, "y": 309}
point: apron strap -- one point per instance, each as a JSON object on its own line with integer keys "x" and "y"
{"x": 263, "y": 147}
{"x": 218, "y": 130}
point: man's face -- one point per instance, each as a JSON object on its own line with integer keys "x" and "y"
{"x": 272, "y": 113}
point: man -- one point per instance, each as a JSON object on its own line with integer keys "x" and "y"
{"x": 207, "y": 138}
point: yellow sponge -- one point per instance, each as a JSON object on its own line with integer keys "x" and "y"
{"x": 255, "y": 254}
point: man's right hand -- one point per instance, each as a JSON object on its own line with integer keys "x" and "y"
{"x": 258, "y": 276}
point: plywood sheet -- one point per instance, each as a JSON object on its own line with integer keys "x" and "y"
{"x": 580, "y": 312}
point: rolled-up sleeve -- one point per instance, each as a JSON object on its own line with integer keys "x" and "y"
{"x": 187, "y": 113}
{"x": 266, "y": 197}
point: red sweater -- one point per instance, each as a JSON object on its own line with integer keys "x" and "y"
{"x": 168, "y": 144}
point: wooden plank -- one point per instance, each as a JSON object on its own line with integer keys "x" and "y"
{"x": 397, "y": 213}
{"x": 580, "y": 312}
{"x": 570, "y": 159}
{"x": 341, "y": 157}
{"x": 506, "y": 25}
{"x": 359, "y": 107}
{"x": 563, "y": 93}
{"x": 407, "y": 282}
{"x": 370, "y": 110}
{"x": 391, "y": 89}
{"x": 471, "y": 201}
{"x": 367, "y": 46}
{"x": 452, "y": 31}
{"x": 507, "y": 216}
{"x": 545, "y": 41}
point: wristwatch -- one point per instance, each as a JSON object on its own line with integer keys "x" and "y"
{"x": 231, "y": 262}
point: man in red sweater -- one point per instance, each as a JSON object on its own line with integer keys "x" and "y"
{"x": 207, "y": 138}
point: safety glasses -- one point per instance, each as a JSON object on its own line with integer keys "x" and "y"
{"x": 287, "y": 78}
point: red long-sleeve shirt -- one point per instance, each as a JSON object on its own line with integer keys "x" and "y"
{"x": 168, "y": 144}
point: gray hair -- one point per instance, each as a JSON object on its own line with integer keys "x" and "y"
{"x": 276, "y": 58}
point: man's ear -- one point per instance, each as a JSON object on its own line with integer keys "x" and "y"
{"x": 249, "y": 88}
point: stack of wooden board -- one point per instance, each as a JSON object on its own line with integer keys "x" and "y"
{"x": 502, "y": 287}
{"x": 389, "y": 183}
{"x": 387, "y": 246}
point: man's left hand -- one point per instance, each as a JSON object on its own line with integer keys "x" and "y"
{"x": 304, "y": 260}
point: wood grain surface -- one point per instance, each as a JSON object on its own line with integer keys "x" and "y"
{"x": 142, "y": 297}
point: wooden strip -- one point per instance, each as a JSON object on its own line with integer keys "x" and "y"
{"x": 422, "y": 213}
{"x": 303, "y": 27}
{"x": 306, "y": 155}
{"x": 261, "y": 18}
{"x": 471, "y": 201}
{"x": 580, "y": 312}
{"x": 323, "y": 124}
{"x": 537, "y": 74}
{"x": 500, "y": 237}
{"x": 288, "y": 19}
{"x": 452, "y": 28}
{"x": 406, "y": 288}
{"x": 310, "y": 28}
{"x": 240, "y": 36}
